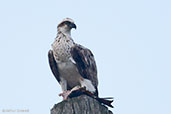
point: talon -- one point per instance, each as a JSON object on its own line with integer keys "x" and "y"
{"x": 65, "y": 94}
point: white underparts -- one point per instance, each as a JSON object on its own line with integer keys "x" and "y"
{"x": 65, "y": 30}
{"x": 89, "y": 86}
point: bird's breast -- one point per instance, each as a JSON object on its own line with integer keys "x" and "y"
{"x": 69, "y": 72}
{"x": 61, "y": 48}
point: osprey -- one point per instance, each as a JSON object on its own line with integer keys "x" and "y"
{"x": 72, "y": 64}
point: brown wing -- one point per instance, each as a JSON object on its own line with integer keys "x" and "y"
{"x": 53, "y": 65}
{"x": 85, "y": 64}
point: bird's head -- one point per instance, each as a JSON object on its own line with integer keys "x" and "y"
{"x": 66, "y": 25}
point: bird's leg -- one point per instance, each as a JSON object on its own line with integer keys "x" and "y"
{"x": 65, "y": 94}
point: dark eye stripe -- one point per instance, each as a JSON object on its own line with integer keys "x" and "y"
{"x": 67, "y": 22}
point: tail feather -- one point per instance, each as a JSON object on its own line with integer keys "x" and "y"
{"x": 108, "y": 98}
{"x": 81, "y": 91}
{"x": 105, "y": 101}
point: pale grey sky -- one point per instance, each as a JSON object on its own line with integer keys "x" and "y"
{"x": 131, "y": 41}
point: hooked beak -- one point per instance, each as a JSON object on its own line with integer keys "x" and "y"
{"x": 72, "y": 25}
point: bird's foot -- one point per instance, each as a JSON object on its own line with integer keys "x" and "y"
{"x": 75, "y": 88}
{"x": 65, "y": 94}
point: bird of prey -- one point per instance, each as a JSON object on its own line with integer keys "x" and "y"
{"x": 72, "y": 64}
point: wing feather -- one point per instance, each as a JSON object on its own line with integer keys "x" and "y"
{"x": 53, "y": 65}
{"x": 85, "y": 63}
